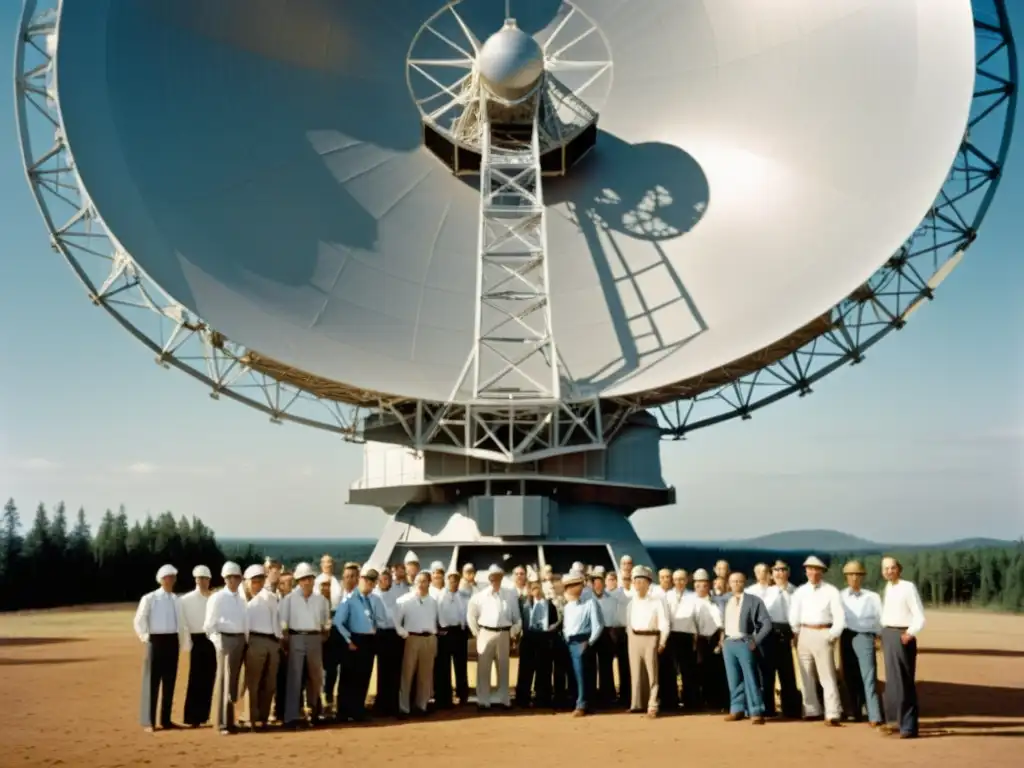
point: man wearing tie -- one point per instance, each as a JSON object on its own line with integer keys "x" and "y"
{"x": 902, "y": 621}
{"x": 540, "y": 624}
{"x": 390, "y": 648}
{"x": 416, "y": 621}
{"x": 227, "y": 626}
{"x": 202, "y": 663}
{"x": 857, "y": 644}
{"x": 452, "y": 644}
{"x": 494, "y": 619}
{"x": 581, "y": 628}
{"x": 816, "y": 613}
{"x": 357, "y": 620}
{"x": 160, "y": 624}
{"x": 746, "y": 625}
{"x": 777, "y": 599}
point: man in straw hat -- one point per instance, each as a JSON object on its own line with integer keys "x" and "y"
{"x": 494, "y": 619}
{"x": 902, "y": 622}
{"x": 647, "y": 627}
{"x": 857, "y": 644}
{"x": 202, "y": 661}
{"x": 581, "y": 628}
{"x": 305, "y": 620}
{"x": 160, "y": 624}
{"x": 817, "y": 617}
{"x": 779, "y": 657}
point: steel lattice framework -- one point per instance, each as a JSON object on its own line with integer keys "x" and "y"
{"x": 508, "y": 432}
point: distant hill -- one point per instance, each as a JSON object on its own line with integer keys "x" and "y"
{"x": 837, "y": 541}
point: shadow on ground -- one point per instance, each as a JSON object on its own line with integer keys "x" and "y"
{"x": 28, "y": 642}
{"x": 999, "y": 654}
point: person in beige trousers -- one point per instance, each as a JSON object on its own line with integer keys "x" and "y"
{"x": 647, "y": 627}
{"x": 817, "y": 618}
{"x": 261, "y": 653}
{"x": 494, "y": 619}
{"x": 416, "y": 615}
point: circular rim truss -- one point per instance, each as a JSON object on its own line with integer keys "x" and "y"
{"x": 181, "y": 340}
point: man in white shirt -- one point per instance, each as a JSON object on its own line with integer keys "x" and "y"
{"x": 779, "y": 649}
{"x": 616, "y": 629}
{"x": 902, "y": 621}
{"x": 416, "y": 621}
{"x": 648, "y": 628}
{"x": 676, "y": 664}
{"x": 664, "y": 585}
{"x": 762, "y": 581}
{"x": 494, "y": 619}
{"x": 857, "y": 645}
{"x": 202, "y": 662}
{"x": 160, "y": 624}
{"x": 305, "y": 617}
{"x": 452, "y": 644}
{"x": 817, "y": 615}
{"x": 261, "y": 655}
{"x": 227, "y": 626}
{"x": 390, "y": 648}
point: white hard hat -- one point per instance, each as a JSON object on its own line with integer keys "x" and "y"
{"x": 201, "y": 572}
{"x": 495, "y": 570}
{"x": 165, "y": 571}
{"x": 598, "y": 572}
{"x": 643, "y": 572}
{"x": 532, "y": 576}
{"x": 303, "y": 571}
{"x": 572, "y": 578}
{"x": 253, "y": 571}
{"x": 436, "y": 566}
{"x": 577, "y": 567}
{"x": 468, "y": 567}
{"x": 411, "y": 557}
{"x": 701, "y": 575}
{"x": 230, "y": 569}
{"x": 814, "y": 562}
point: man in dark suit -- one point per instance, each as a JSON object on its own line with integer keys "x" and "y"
{"x": 746, "y": 625}
{"x": 536, "y": 648}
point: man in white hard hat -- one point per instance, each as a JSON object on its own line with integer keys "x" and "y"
{"x": 648, "y": 627}
{"x": 357, "y": 621}
{"x": 390, "y": 648}
{"x": 412, "y": 566}
{"x": 160, "y": 624}
{"x": 494, "y": 619}
{"x": 437, "y": 579}
{"x": 452, "y": 644}
{"x": 227, "y": 626}
{"x": 817, "y": 617}
{"x": 261, "y": 656}
{"x": 416, "y": 621}
{"x": 202, "y": 664}
{"x": 305, "y": 617}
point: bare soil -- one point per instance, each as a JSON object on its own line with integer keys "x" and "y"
{"x": 71, "y": 682}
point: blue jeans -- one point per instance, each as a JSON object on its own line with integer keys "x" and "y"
{"x": 582, "y": 658}
{"x": 860, "y": 673}
{"x": 744, "y": 682}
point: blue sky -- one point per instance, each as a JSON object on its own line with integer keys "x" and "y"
{"x": 925, "y": 442}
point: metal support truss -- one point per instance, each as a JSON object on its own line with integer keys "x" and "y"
{"x": 914, "y": 272}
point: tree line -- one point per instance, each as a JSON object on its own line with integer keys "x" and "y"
{"x": 57, "y": 562}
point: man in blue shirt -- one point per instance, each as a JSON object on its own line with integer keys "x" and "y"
{"x": 581, "y": 627}
{"x": 540, "y": 627}
{"x": 357, "y": 620}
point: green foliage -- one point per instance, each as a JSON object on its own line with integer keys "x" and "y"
{"x": 52, "y": 566}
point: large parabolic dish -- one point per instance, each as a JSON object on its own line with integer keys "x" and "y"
{"x": 271, "y": 170}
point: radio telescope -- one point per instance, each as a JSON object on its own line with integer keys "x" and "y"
{"x": 511, "y": 245}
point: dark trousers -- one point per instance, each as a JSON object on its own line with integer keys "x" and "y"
{"x": 782, "y": 665}
{"x": 536, "y": 652}
{"x": 604, "y": 660}
{"x": 202, "y": 669}
{"x": 764, "y": 658}
{"x": 390, "y": 649}
{"x": 159, "y": 673}
{"x": 620, "y": 644}
{"x": 563, "y": 689}
{"x": 683, "y": 661}
{"x": 282, "y": 685}
{"x": 334, "y": 659}
{"x": 355, "y": 682}
{"x": 900, "y": 688}
{"x": 452, "y": 651}
{"x": 860, "y": 674}
{"x": 710, "y": 674}
{"x": 584, "y": 670}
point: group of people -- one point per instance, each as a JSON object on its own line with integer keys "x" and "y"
{"x": 308, "y": 642}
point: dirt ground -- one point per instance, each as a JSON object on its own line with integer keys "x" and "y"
{"x": 71, "y": 683}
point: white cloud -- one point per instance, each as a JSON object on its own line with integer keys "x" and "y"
{"x": 142, "y": 468}
{"x": 35, "y": 464}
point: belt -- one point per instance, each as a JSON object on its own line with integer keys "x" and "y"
{"x": 646, "y": 632}
{"x": 268, "y": 635}
{"x": 898, "y": 629}
{"x": 495, "y": 629}
{"x": 581, "y": 638}
{"x": 230, "y": 634}
{"x": 303, "y": 632}
{"x": 363, "y": 634}
{"x": 816, "y": 626}
{"x": 422, "y": 634}
{"x": 453, "y": 627}
{"x": 681, "y": 632}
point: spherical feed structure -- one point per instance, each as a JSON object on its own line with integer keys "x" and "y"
{"x": 496, "y": 241}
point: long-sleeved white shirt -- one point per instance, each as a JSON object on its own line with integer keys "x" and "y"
{"x": 902, "y": 607}
{"x": 415, "y": 613}
{"x": 777, "y": 600}
{"x": 708, "y": 617}
{"x": 262, "y": 613}
{"x": 681, "y": 607}
{"x": 648, "y": 614}
{"x": 389, "y": 598}
{"x": 225, "y": 613}
{"x": 302, "y": 614}
{"x": 863, "y": 610}
{"x": 337, "y": 591}
{"x": 758, "y": 590}
{"x": 495, "y": 609}
{"x": 452, "y": 608}
{"x": 193, "y": 606}
{"x": 159, "y": 613}
{"x": 817, "y": 605}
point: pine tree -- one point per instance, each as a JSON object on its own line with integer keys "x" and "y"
{"x": 59, "y": 530}
{"x": 11, "y": 545}
{"x": 37, "y": 542}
